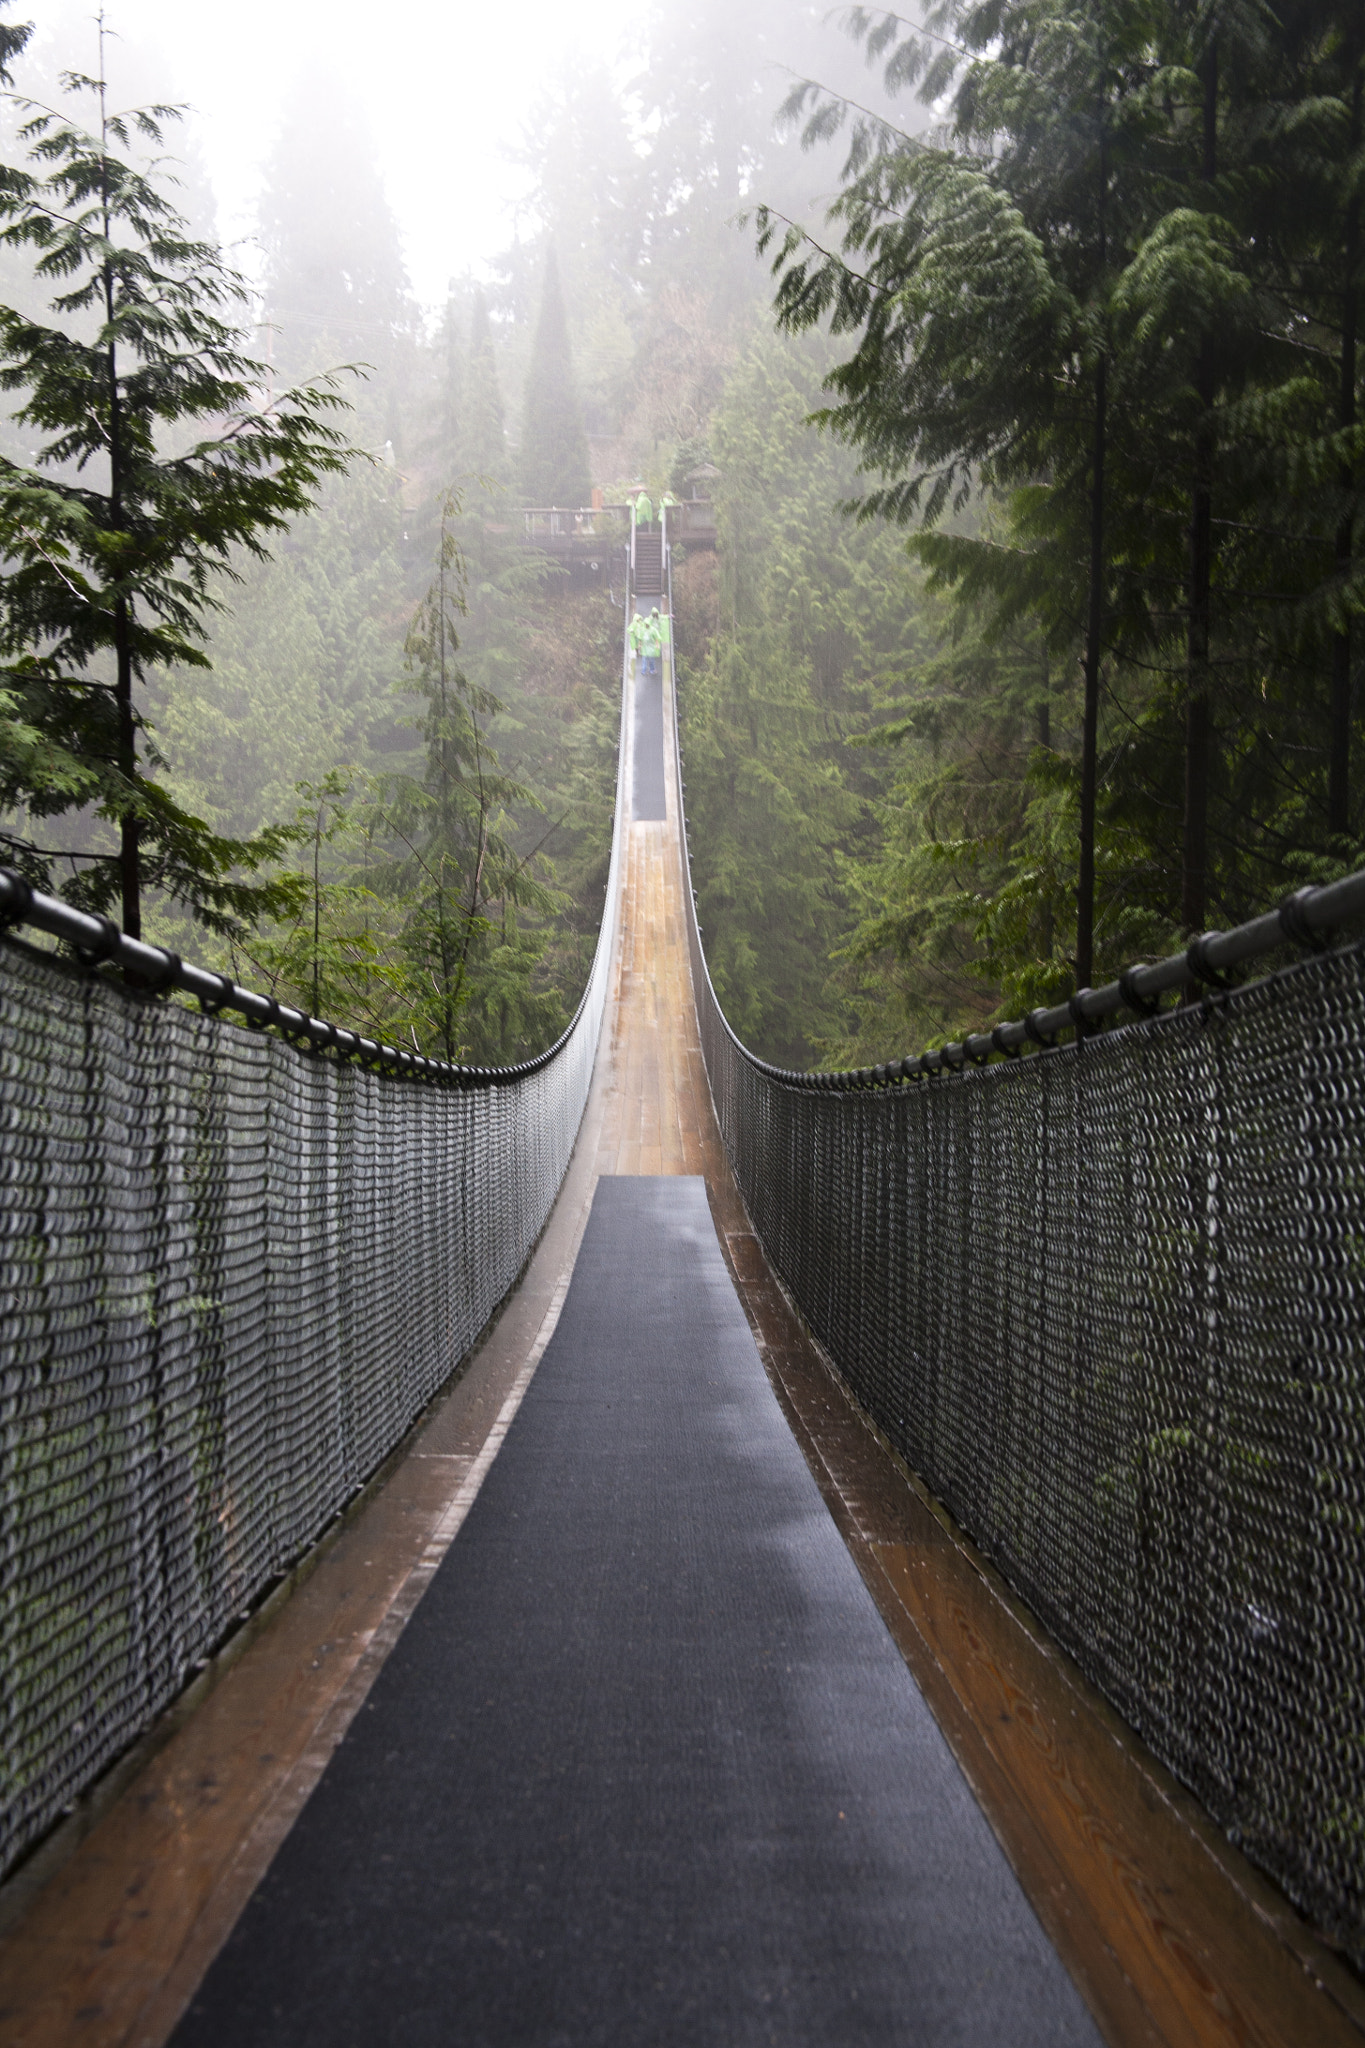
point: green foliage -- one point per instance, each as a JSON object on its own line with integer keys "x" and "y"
{"x": 159, "y": 464}
{"x": 461, "y": 881}
{"x": 808, "y": 612}
{"x": 416, "y": 915}
{"x": 303, "y": 663}
{"x": 1137, "y": 228}
{"x": 336, "y": 955}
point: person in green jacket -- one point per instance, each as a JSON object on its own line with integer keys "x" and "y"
{"x": 644, "y": 510}
{"x": 652, "y": 642}
{"x": 635, "y": 634}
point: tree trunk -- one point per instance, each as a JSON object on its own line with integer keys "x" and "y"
{"x": 1198, "y": 722}
{"x": 1094, "y": 622}
{"x": 1085, "y": 877}
{"x": 1194, "y": 872}
{"x": 130, "y": 825}
{"x": 1339, "y": 755}
{"x": 130, "y": 828}
{"x": 1047, "y": 932}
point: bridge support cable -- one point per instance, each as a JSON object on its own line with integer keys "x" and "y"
{"x": 238, "y": 1263}
{"x": 1108, "y": 1301}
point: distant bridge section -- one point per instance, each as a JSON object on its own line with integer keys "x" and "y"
{"x": 593, "y": 541}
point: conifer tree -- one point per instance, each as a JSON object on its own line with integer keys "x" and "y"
{"x": 114, "y": 540}
{"x": 1351, "y": 73}
{"x": 1031, "y": 206}
{"x": 451, "y": 396}
{"x": 335, "y": 279}
{"x": 554, "y": 466}
{"x": 483, "y": 441}
{"x": 457, "y": 876}
{"x": 1310, "y": 171}
{"x": 1132, "y": 252}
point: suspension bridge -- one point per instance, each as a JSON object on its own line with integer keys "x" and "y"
{"x": 647, "y": 1547}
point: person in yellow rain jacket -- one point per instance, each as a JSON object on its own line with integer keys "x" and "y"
{"x": 644, "y": 510}
{"x": 651, "y": 643}
{"x": 635, "y": 634}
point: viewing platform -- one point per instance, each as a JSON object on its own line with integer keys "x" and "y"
{"x": 594, "y": 535}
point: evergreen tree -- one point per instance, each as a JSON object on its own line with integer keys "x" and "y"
{"x": 588, "y": 195}
{"x": 114, "y": 540}
{"x": 809, "y": 611}
{"x": 450, "y": 398}
{"x": 554, "y": 446}
{"x": 457, "y": 874}
{"x": 335, "y": 279}
{"x": 1034, "y": 203}
{"x": 1111, "y": 300}
{"x": 302, "y": 665}
{"x": 483, "y": 441}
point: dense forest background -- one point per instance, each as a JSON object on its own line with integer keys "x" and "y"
{"x": 883, "y": 741}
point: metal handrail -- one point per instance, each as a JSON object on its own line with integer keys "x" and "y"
{"x": 1301, "y": 920}
{"x": 155, "y": 970}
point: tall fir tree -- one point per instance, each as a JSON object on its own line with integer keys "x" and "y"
{"x": 114, "y": 541}
{"x": 483, "y": 434}
{"x": 460, "y": 880}
{"x": 1032, "y": 199}
{"x": 554, "y": 468}
{"x": 335, "y": 280}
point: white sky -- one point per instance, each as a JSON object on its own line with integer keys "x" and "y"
{"x": 446, "y": 87}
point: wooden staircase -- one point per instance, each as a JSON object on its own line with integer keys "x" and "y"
{"x": 649, "y": 562}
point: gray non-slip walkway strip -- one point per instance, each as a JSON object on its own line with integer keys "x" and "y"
{"x": 645, "y": 1767}
{"x": 647, "y": 794}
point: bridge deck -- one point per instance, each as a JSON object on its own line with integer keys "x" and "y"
{"x": 657, "y": 1831}
{"x": 709, "y": 1803}
{"x": 645, "y": 1764}
{"x": 678, "y": 1774}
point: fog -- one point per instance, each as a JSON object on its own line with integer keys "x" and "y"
{"x": 514, "y": 239}
{"x": 448, "y": 90}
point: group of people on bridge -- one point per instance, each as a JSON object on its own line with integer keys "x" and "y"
{"x": 649, "y": 634}
{"x": 643, "y": 509}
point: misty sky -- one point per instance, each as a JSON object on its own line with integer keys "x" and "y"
{"x": 447, "y": 87}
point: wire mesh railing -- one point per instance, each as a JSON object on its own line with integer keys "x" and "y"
{"x": 236, "y": 1267}
{"x": 1108, "y": 1300}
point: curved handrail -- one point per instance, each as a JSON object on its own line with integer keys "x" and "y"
{"x": 1302, "y": 920}
{"x": 97, "y": 940}
{"x": 309, "y": 1253}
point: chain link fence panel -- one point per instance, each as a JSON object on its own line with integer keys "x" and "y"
{"x": 234, "y": 1272}
{"x": 1107, "y": 1301}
